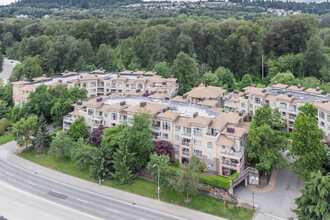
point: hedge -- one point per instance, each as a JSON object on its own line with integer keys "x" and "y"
{"x": 218, "y": 181}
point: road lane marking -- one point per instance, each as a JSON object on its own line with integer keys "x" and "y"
{"x": 50, "y": 202}
{"x": 19, "y": 204}
{"x": 111, "y": 210}
{"x": 33, "y": 184}
{"x": 45, "y": 214}
{"x": 273, "y": 216}
{"x": 82, "y": 200}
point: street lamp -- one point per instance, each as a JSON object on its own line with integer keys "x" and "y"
{"x": 158, "y": 179}
{"x": 16, "y": 137}
{"x": 253, "y": 200}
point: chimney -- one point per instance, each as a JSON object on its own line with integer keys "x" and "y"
{"x": 318, "y": 88}
{"x": 66, "y": 71}
{"x": 142, "y": 104}
{"x": 324, "y": 101}
{"x": 206, "y": 85}
{"x": 167, "y": 98}
{"x": 138, "y": 90}
{"x": 184, "y": 96}
{"x": 99, "y": 99}
{"x": 123, "y": 69}
{"x": 236, "y": 91}
{"x": 24, "y": 79}
{"x": 95, "y": 75}
{"x": 230, "y": 130}
{"x": 122, "y": 103}
{"x": 164, "y": 83}
{"x": 195, "y": 114}
{"x": 253, "y": 85}
{"x": 263, "y": 91}
{"x": 299, "y": 86}
{"x": 135, "y": 70}
{"x": 44, "y": 75}
{"x": 101, "y": 68}
{"x": 203, "y": 98}
{"x": 172, "y": 76}
{"x": 290, "y": 95}
{"x": 240, "y": 113}
{"x": 153, "y": 70}
{"x": 275, "y": 82}
{"x": 80, "y": 77}
{"x": 79, "y": 102}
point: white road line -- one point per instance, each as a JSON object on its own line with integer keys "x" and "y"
{"x": 45, "y": 214}
{"x": 19, "y": 204}
{"x": 33, "y": 184}
{"x": 111, "y": 210}
{"x": 273, "y": 216}
{"x": 82, "y": 200}
{"x": 9, "y": 174}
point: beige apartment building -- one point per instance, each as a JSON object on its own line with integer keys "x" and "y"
{"x": 218, "y": 138}
{"x": 286, "y": 99}
{"x": 99, "y": 83}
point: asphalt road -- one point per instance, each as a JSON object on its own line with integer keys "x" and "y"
{"x": 29, "y": 196}
{"x": 8, "y": 66}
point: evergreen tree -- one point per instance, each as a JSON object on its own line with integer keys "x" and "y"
{"x": 123, "y": 163}
{"x": 314, "y": 202}
{"x": 42, "y": 138}
{"x": 307, "y": 148}
{"x": 102, "y": 162}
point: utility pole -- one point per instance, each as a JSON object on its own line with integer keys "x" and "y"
{"x": 158, "y": 179}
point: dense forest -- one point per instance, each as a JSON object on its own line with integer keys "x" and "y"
{"x": 179, "y": 46}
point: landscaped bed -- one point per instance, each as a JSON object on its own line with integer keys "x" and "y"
{"x": 146, "y": 188}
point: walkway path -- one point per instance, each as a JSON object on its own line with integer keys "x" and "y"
{"x": 7, "y": 153}
{"x": 8, "y": 66}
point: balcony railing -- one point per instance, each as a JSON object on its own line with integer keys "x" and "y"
{"x": 233, "y": 154}
{"x": 155, "y": 128}
{"x": 187, "y": 135}
{"x": 68, "y": 119}
{"x": 212, "y": 134}
{"x": 230, "y": 104}
{"x": 290, "y": 125}
{"x": 185, "y": 153}
{"x": 95, "y": 117}
{"x": 185, "y": 143}
{"x": 229, "y": 164}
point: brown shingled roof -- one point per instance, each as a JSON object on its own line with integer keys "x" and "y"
{"x": 169, "y": 115}
{"x": 206, "y": 92}
{"x": 223, "y": 140}
{"x": 204, "y": 121}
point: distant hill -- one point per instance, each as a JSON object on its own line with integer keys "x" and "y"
{"x": 72, "y": 3}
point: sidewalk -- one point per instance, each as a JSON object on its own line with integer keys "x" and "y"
{"x": 270, "y": 186}
{"x": 7, "y": 153}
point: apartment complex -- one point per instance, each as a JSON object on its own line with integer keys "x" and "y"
{"x": 218, "y": 138}
{"x": 286, "y": 98}
{"x": 100, "y": 83}
{"x": 205, "y": 95}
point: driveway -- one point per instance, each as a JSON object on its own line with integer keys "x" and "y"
{"x": 8, "y": 66}
{"x": 278, "y": 202}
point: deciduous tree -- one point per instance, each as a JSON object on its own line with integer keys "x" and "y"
{"x": 61, "y": 146}
{"x": 163, "y": 147}
{"x": 78, "y": 129}
{"x": 163, "y": 162}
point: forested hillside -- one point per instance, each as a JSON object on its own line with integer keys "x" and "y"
{"x": 177, "y": 46}
{"x": 72, "y": 3}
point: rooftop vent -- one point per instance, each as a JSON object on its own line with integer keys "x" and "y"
{"x": 195, "y": 114}
{"x": 171, "y": 76}
{"x": 124, "y": 69}
{"x": 236, "y": 91}
{"x": 95, "y": 75}
{"x": 185, "y": 96}
{"x": 299, "y": 86}
{"x": 153, "y": 70}
{"x": 138, "y": 90}
{"x": 230, "y": 130}
{"x": 290, "y": 95}
{"x": 167, "y": 98}
{"x": 240, "y": 113}
{"x": 275, "y": 82}
{"x": 66, "y": 71}
{"x": 24, "y": 79}
{"x": 318, "y": 88}
{"x": 206, "y": 85}
{"x": 164, "y": 83}
{"x": 44, "y": 75}
{"x": 263, "y": 91}
{"x": 135, "y": 70}
{"x": 122, "y": 103}
{"x": 80, "y": 77}
{"x": 101, "y": 68}
{"x": 203, "y": 98}
{"x": 142, "y": 104}
{"x": 253, "y": 85}
{"x": 99, "y": 99}
{"x": 79, "y": 102}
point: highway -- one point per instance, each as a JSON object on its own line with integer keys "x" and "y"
{"x": 25, "y": 195}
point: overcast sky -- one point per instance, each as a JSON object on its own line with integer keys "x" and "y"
{"x": 6, "y": 2}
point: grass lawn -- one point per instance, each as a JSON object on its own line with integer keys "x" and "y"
{"x": 146, "y": 188}
{"x": 5, "y": 138}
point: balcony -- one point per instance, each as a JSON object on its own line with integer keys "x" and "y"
{"x": 291, "y": 126}
{"x": 185, "y": 144}
{"x": 229, "y": 164}
{"x": 185, "y": 135}
{"x": 215, "y": 135}
{"x": 68, "y": 118}
{"x": 154, "y": 128}
{"x": 230, "y": 104}
{"x": 66, "y": 126}
{"x": 98, "y": 118}
{"x": 292, "y": 118}
{"x": 185, "y": 153}
{"x": 233, "y": 154}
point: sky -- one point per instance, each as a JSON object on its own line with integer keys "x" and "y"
{"x": 6, "y": 2}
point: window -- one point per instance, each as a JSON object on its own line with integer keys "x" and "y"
{"x": 283, "y": 105}
{"x": 107, "y": 90}
{"x": 293, "y": 108}
{"x": 209, "y": 155}
{"x": 166, "y": 126}
{"x": 93, "y": 84}
{"x": 283, "y": 114}
{"x": 251, "y": 106}
{"x": 113, "y": 116}
{"x": 210, "y": 145}
{"x": 243, "y": 111}
{"x": 176, "y": 147}
{"x": 210, "y": 166}
{"x": 107, "y": 84}
{"x": 243, "y": 104}
{"x": 197, "y": 143}
{"x": 84, "y": 85}
{"x": 198, "y": 153}
{"x": 177, "y": 156}
{"x": 188, "y": 130}
{"x": 120, "y": 85}
{"x": 127, "y": 85}
{"x": 93, "y": 90}
{"x": 328, "y": 118}
{"x": 105, "y": 123}
{"x": 197, "y": 132}
{"x": 274, "y": 104}
{"x": 177, "y": 128}
{"x": 133, "y": 86}
{"x": 165, "y": 136}
{"x": 267, "y": 101}
{"x": 89, "y": 121}
{"x": 321, "y": 114}
{"x": 90, "y": 111}
{"x": 177, "y": 138}
{"x": 140, "y": 86}
{"x": 329, "y": 127}
{"x": 251, "y": 113}
{"x": 322, "y": 124}
{"x": 106, "y": 115}
{"x": 257, "y": 100}
{"x": 124, "y": 117}
{"x": 251, "y": 98}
